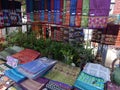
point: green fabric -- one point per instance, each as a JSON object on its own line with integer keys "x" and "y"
{"x": 116, "y": 75}
{"x": 84, "y": 21}
{"x": 64, "y": 6}
{"x": 85, "y": 7}
{"x": 63, "y": 73}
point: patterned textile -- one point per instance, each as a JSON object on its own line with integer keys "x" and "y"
{"x": 52, "y": 86}
{"x": 85, "y": 7}
{"x": 11, "y": 61}
{"x": 88, "y": 82}
{"x": 67, "y": 18}
{"x": 63, "y": 73}
{"x": 99, "y": 7}
{"x": 97, "y": 70}
{"x": 30, "y": 84}
{"x": 41, "y": 65}
{"x": 84, "y": 21}
{"x": 72, "y": 20}
{"x": 73, "y": 4}
{"x": 14, "y": 75}
{"x": 42, "y": 15}
{"x": 78, "y": 20}
{"x": 97, "y": 22}
{"x": 26, "y": 55}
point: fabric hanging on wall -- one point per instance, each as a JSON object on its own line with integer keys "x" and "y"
{"x": 99, "y": 7}
{"x": 72, "y": 20}
{"x": 73, "y": 4}
{"x": 5, "y": 8}
{"x": 61, "y": 12}
{"x": 110, "y": 35}
{"x": 46, "y": 16}
{"x": 52, "y": 11}
{"x": 64, "y": 12}
{"x": 29, "y": 4}
{"x": 85, "y": 7}
{"x": 28, "y": 17}
{"x": 12, "y": 13}
{"x": 1, "y": 16}
{"x": 42, "y": 15}
{"x": 36, "y": 16}
{"x": 78, "y": 13}
{"x": 18, "y": 12}
{"x": 97, "y": 22}
{"x": 49, "y": 16}
{"x": 49, "y": 5}
{"x": 84, "y": 21}
{"x": 42, "y": 4}
{"x": 67, "y": 14}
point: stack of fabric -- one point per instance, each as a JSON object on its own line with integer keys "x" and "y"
{"x": 63, "y": 73}
{"x": 22, "y": 57}
{"x": 10, "y": 51}
{"x": 14, "y": 75}
{"x": 93, "y": 77}
{"x": 37, "y": 67}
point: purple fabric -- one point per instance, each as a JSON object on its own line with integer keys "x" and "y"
{"x": 99, "y": 7}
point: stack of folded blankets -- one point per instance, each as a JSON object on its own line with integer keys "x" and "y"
{"x": 10, "y": 51}
{"x": 37, "y": 67}
{"x": 22, "y": 57}
{"x": 93, "y": 77}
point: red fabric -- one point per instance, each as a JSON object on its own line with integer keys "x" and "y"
{"x": 79, "y": 6}
{"x": 26, "y": 55}
{"x": 78, "y": 20}
{"x": 52, "y": 17}
{"x": 52, "y": 4}
{"x": 61, "y": 5}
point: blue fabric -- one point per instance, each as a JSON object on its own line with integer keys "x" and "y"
{"x": 88, "y": 82}
{"x": 72, "y": 20}
{"x": 14, "y": 75}
{"x": 29, "y": 6}
{"x": 42, "y": 16}
{"x": 49, "y": 16}
{"x": 42, "y": 4}
{"x": 73, "y": 5}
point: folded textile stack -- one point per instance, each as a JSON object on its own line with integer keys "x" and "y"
{"x": 93, "y": 77}
{"x": 63, "y": 73}
{"x": 10, "y": 51}
{"x": 26, "y": 55}
{"x": 37, "y": 67}
{"x": 14, "y": 75}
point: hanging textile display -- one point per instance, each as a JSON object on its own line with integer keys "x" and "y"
{"x": 116, "y": 9}
{"x": 30, "y": 9}
{"x": 78, "y": 13}
{"x": 61, "y": 12}
{"x": 1, "y": 16}
{"x": 12, "y": 13}
{"x": 49, "y": 10}
{"x": 99, "y": 11}
{"x": 42, "y": 16}
{"x": 85, "y": 12}
{"x": 67, "y": 15}
{"x": 5, "y": 7}
{"x": 99, "y": 7}
{"x": 46, "y": 11}
{"x": 64, "y": 12}
{"x": 18, "y": 12}
{"x": 52, "y": 11}
{"x": 97, "y": 22}
{"x": 96, "y": 35}
{"x": 109, "y": 36}
{"x": 36, "y": 10}
{"x": 73, "y": 4}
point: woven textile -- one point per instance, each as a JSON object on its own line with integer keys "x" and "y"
{"x": 26, "y": 55}
{"x": 85, "y": 7}
{"x": 99, "y": 7}
{"x": 84, "y": 21}
{"x": 97, "y": 22}
{"x": 73, "y": 4}
{"x": 63, "y": 73}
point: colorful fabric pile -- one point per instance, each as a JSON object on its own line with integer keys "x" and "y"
{"x": 41, "y": 66}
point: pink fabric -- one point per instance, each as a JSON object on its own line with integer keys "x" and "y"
{"x": 97, "y": 22}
